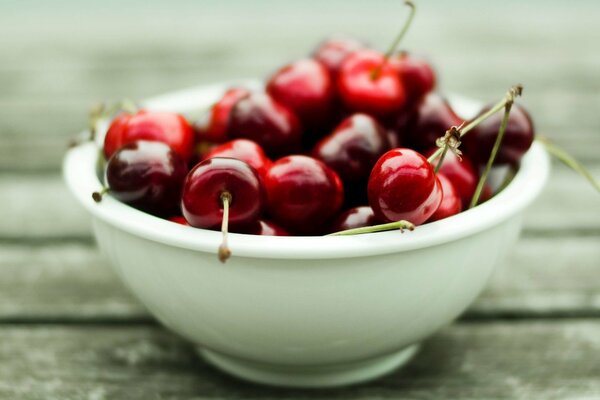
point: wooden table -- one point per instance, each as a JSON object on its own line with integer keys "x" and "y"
{"x": 69, "y": 330}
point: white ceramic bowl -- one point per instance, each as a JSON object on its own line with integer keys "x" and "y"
{"x": 305, "y": 311}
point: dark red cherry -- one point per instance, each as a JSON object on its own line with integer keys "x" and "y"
{"x": 273, "y": 126}
{"x": 518, "y": 137}
{"x": 432, "y": 118}
{"x": 416, "y": 74}
{"x": 214, "y": 126}
{"x": 403, "y": 186}
{"x": 462, "y": 174}
{"x": 451, "y": 202}
{"x": 245, "y": 150}
{"x": 368, "y": 83}
{"x": 167, "y": 127}
{"x": 179, "y": 219}
{"x": 148, "y": 176}
{"x": 265, "y": 228}
{"x": 333, "y": 51}
{"x": 356, "y": 217}
{"x": 353, "y": 148}
{"x": 207, "y": 184}
{"x": 303, "y": 194}
{"x": 305, "y": 87}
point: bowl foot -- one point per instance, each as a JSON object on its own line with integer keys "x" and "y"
{"x": 310, "y": 376}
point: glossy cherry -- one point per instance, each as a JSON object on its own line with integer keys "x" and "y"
{"x": 305, "y": 87}
{"x": 265, "y": 228}
{"x": 416, "y": 74}
{"x": 368, "y": 83}
{"x": 210, "y": 181}
{"x": 451, "y": 202}
{"x": 404, "y": 186}
{"x": 432, "y": 118}
{"x": 146, "y": 175}
{"x": 245, "y": 150}
{"x": 167, "y": 127}
{"x": 518, "y": 137}
{"x": 356, "y": 217}
{"x": 214, "y": 126}
{"x": 273, "y": 126}
{"x": 333, "y": 51}
{"x": 461, "y": 172}
{"x": 303, "y": 194}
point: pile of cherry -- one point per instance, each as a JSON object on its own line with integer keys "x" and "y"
{"x": 336, "y": 141}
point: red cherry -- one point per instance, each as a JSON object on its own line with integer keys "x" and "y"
{"x": 462, "y": 174}
{"x": 146, "y": 175}
{"x": 245, "y": 150}
{"x": 403, "y": 186}
{"x": 432, "y": 118}
{"x": 368, "y": 83}
{"x": 416, "y": 74}
{"x": 304, "y": 87}
{"x": 270, "y": 124}
{"x": 265, "y": 228}
{"x": 451, "y": 201}
{"x": 303, "y": 194}
{"x": 356, "y": 217}
{"x": 179, "y": 219}
{"x": 517, "y": 139}
{"x": 333, "y": 51}
{"x": 211, "y": 180}
{"x": 167, "y": 127}
{"x": 216, "y": 124}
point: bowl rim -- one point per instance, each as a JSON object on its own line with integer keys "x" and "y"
{"x": 79, "y": 170}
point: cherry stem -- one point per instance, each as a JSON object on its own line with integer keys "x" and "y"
{"x": 493, "y": 154}
{"x": 396, "y": 42}
{"x": 568, "y": 160}
{"x": 402, "y": 225}
{"x": 97, "y": 196}
{"x": 441, "y": 160}
{"x": 224, "y": 252}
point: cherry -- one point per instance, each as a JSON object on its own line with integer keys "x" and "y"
{"x": 179, "y": 219}
{"x": 403, "y": 186}
{"x": 432, "y": 118}
{"x": 451, "y": 202}
{"x": 305, "y": 87}
{"x": 215, "y": 125}
{"x": 303, "y": 194}
{"x": 211, "y": 182}
{"x": 518, "y": 137}
{"x": 462, "y": 174}
{"x": 416, "y": 73}
{"x": 270, "y": 124}
{"x": 161, "y": 126}
{"x": 146, "y": 175}
{"x": 368, "y": 83}
{"x": 356, "y": 217}
{"x": 265, "y": 228}
{"x": 245, "y": 150}
{"x": 333, "y": 51}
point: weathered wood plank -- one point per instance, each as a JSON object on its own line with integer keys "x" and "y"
{"x": 532, "y": 360}
{"x": 38, "y": 207}
{"x": 73, "y": 282}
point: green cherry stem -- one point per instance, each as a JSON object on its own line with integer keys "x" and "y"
{"x": 97, "y": 196}
{"x": 224, "y": 252}
{"x": 401, "y": 225}
{"x": 568, "y": 160}
{"x": 396, "y": 42}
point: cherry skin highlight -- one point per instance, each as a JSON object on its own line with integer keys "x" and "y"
{"x": 148, "y": 176}
{"x": 403, "y": 186}
{"x": 160, "y": 126}
{"x": 333, "y": 51}
{"x": 356, "y": 217}
{"x": 368, "y": 83}
{"x": 245, "y": 150}
{"x": 303, "y": 194}
{"x": 451, "y": 202}
{"x": 207, "y": 182}
{"x": 273, "y": 126}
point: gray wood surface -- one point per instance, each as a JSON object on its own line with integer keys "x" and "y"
{"x": 68, "y": 328}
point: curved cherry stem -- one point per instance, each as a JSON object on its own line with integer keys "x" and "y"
{"x": 224, "y": 252}
{"x": 401, "y": 225}
{"x": 97, "y": 196}
{"x": 396, "y": 42}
